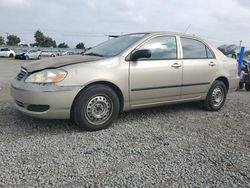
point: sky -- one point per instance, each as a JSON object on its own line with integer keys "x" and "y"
{"x": 88, "y": 21}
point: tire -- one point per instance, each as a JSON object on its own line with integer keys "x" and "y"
{"x": 39, "y": 57}
{"x": 241, "y": 85}
{"x": 247, "y": 86}
{"x": 216, "y": 96}
{"x": 95, "y": 108}
{"x": 11, "y": 55}
{"x": 27, "y": 57}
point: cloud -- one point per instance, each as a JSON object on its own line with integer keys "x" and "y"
{"x": 219, "y": 21}
{"x": 14, "y": 3}
{"x": 244, "y": 3}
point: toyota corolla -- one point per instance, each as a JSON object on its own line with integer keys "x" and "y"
{"x": 129, "y": 72}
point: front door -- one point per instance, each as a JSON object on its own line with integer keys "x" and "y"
{"x": 156, "y": 79}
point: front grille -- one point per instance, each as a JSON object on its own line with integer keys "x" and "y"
{"x": 23, "y": 73}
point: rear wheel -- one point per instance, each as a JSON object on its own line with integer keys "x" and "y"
{"x": 27, "y": 57}
{"x": 216, "y": 96}
{"x": 96, "y": 108}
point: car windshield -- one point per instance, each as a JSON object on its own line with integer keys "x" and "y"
{"x": 114, "y": 46}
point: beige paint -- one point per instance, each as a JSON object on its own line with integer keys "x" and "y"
{"x": 127, "y": 76}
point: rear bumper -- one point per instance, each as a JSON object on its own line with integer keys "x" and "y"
{"x": 43, "y": 101}
{"x": 234, "y": 84}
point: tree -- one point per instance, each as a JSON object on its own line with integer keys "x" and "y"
{"x": 43, "y": 41}
{"x": 63, "y": 45}
{"x": 247, "y": 53}
{"x": 13, "y": 40}
{"x": 228, "y": 49}
{"x": 80, "y": 46}
{"x": 1, "y": 40}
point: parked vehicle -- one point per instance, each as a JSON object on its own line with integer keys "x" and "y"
{"x": 245, "y": 75}
{"x": 129, "y": 72}
{"x": 68, "y": 53}
{"x": 6, "y": 52}
{"x": 48, "y": 54}
{"x": 32, "y": 54}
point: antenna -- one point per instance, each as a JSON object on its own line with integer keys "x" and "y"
{"x": 187, "y": 28}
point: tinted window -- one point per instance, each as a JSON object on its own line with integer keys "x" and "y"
{"x": 193, "y": 49}
{"x": 163, "y": 47}
{"x": 4, "y": 49}
{"x": 114, "y": 46}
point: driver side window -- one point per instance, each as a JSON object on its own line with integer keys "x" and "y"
{"x": 162, "y": 48}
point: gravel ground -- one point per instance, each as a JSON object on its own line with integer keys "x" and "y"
{"x": 173, "y": 146}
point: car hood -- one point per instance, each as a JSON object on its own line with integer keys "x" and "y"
{"x": 22, "y": 53}
{"x": 56, "y": 62}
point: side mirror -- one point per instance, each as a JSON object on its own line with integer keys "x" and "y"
{"x": 140, "y": 54}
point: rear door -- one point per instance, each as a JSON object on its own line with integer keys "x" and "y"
{"x": 199, "y": 67}
{"x": 158, "y": 78}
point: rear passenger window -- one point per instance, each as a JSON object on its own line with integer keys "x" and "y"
{"x": 163, "y": 47}
{"x": 209, "y": 54}
{"x": 194, "y": 49}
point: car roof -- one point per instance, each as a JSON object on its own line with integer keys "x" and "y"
{"x": 166, "y": 33}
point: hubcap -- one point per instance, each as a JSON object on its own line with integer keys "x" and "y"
{"x": 217, "y": 96}
{"x": 98, "y": 110}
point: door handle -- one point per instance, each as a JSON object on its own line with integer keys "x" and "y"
{"x": 176, "y": 65}
{"x": 211, "y": 64}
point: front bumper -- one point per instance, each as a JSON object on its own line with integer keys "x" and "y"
{"x": 46, "y": 101}
{"x": 19, "y": 57}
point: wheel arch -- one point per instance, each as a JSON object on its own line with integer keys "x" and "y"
{"x": 224, "y": 80}
{"x": 111, "y": 85}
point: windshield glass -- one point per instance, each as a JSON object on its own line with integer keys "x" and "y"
{"x": 114, "y": 46}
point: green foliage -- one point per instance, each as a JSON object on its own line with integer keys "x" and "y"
{"x": 13, "y": 40}
{"x": 2, "y": 40}
{"x": 247, "y": 53}
{"x": 228, "y": 49}
{"x": 43, "y": 41}
{"x": 63, "y": 45}
{"x": 222, "y": 50}
{"x": 80, "y": 46}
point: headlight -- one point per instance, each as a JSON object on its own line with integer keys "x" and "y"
{"x": 47, "y": 76}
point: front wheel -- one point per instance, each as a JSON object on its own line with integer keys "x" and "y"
{"x": 11, "y": 55}
{"x": 216, "y": 96}
{"x": 27, "y": 57}
{"x": 96, "y": 108}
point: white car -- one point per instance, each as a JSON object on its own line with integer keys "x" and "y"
{"x": 48, "y": 54}
{"x": 6, "y": 52}
{"x": 32, "y": 54}
{"x": 68, "y": 53}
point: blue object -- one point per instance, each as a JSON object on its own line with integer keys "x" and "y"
{"x": 241, "y": 57}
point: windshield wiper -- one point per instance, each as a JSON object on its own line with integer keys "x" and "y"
{"x": 94, "y": 54}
